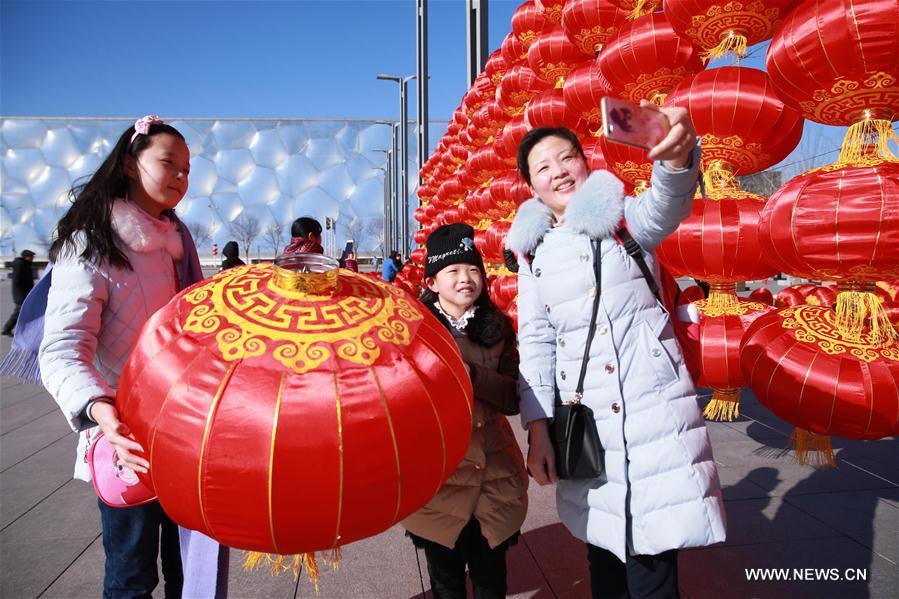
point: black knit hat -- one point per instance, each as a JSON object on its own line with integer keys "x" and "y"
{"x": 451, "y": 244}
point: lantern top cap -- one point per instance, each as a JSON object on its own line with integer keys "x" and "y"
{"x": 314, "y": 274}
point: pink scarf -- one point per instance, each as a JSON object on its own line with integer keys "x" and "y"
{"x": 300, "y": 245}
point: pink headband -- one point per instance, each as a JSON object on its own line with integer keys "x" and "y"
{"x": 142, "y": 125}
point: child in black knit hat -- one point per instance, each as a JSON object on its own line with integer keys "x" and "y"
{"x": 478, "y": 512}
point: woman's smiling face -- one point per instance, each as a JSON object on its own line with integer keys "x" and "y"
{"x": 557, "y": 171}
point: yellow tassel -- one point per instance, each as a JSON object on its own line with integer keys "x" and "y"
{"x": 640, "y": 9}
{"x": 560, "y": 82}
{"x": 868, "y": 142}
{"x": 722, "y": 299}
{"x": 719, "y": 179}
{"x": 733, "y": 42}
{"x": 855, "y": 309}
{"x": 812, "y": 449}
{"x": 659, "y": 98}
{"x": 281, "y": 563}
{"x": 724, "y": 406}
{"x": 640, "y": 187}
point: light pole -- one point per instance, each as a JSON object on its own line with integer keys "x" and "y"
{"x": 387, "y": 246}
{"x": 403, "y": 189}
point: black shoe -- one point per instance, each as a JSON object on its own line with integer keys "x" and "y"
{"x": 6, "y": 333}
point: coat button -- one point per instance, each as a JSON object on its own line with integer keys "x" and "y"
{"x": 592, "y": 292}
{"x": 537, "y": 272}
{"x": 562, "y": 375}
{"x": 477, "y": 467}
{"x": 547, "y": 308}
{"x": 602, "y": 330}
{"x": 561, "y": 341}
{"x": 610, "y": 368}
{"x": 585, "y": 257}
{"x": 616, "y": 408}
{"x": 656, "y": 352}
{"x": 478, "y": 424}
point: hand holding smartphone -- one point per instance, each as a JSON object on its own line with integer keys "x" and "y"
{"x": 628, "y": 123}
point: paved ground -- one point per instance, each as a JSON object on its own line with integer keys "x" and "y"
{"x": 780, "y": 515}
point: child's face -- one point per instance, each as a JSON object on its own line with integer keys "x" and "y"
{"x": 458, "y": 284}
{"x": 159, "y": 175}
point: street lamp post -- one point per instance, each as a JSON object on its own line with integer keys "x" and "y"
{"x": 403, "y": 188}
{"x": 387, "y": 246}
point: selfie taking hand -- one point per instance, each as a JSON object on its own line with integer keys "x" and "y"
{"x": 674, "y": 150}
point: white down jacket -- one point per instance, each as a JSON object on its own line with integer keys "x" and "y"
{"x": 660, "y": 487}
{"x": 95, "y": 313}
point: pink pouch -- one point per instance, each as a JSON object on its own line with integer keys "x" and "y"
{"x": 116, "y": 486}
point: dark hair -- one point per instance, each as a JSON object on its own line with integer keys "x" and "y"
{"x": 305, "y": 225}
{"x": 535, "y": 136}
{"x": 91, "y": 211}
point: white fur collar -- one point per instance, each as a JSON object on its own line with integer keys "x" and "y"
{"x": 595, "y": 210}
{"x": 143, "y": 233}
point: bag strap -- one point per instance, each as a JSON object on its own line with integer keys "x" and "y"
{"x": 597, "y": 271}
{"x": 634, "y": 251}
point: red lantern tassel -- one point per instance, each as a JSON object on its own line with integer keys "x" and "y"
{"x": 812, "y": 448}
{"x": 724, "y": 406}
{"x": 733, "y": 42}
{"x": 867, "y": 142}
{"x": 281, "y": 563}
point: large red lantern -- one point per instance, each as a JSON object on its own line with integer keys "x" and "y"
{"x": 551, "y": 9}
{"x": 517, "y": 88}
{"x": 507, "y": 143}
{"x": 528, "y": 22}
{"x": 815, "y": 295}
{"x": 647, "y": 59}
{"x": 509, "y": 191}
{"x": 719, "y": 241}
{"x": 592, "y": 23}
{"x": 838, "y": 62}
{"x": 548, "y": 109}
{"x": 291, "y": 412}
{"x": 630, "y": 164}
{"x": 720, "y": 332}
{"x": 484, "y": 165}
{"x": 552, "y": 56}
{"x": 745, "y": 126}
{"x": 489, "y": 119}
{"x": 583, "y": 91}
{"x": 514, "y": 52}
{"x": 807, "y": 372}
{"x": 495, "y": 67}
{"x": 637, "y": 8}
{"x": 722, "y": 26}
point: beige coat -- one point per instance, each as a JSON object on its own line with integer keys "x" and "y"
{"x": 491, "y": 481}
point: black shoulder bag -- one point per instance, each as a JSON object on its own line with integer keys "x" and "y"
{"x": 579, "y": 453}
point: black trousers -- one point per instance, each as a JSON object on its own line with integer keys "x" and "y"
{"x": 642, "y": 577}
{"x": 486, "y": 566}
{"x": 13, "y": 319}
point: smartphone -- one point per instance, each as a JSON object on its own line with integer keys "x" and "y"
{"x": 350, "y": 247}
{"x": 626, "y": 123}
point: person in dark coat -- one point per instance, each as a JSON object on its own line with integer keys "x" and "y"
{"x": 22, "y": 282}
{"x": 231, "y": 253}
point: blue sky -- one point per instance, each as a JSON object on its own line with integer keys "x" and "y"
{"x": 293, "y": 58}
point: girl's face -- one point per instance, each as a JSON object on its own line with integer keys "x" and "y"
{"x": 557, "y": 171}
{"x": 458, "y": 286}
{"x": 158, "y": 176}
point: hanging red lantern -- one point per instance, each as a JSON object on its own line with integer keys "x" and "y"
{"x": 528, "y": 22}
{"x": 630, "y": 164}
{"x": 420, "y": 236}
{"x": 552, "y": 56}
{"x": 806, "y": 371}
{"x": 514, "y": 52}
{"x": 451, "y": 192}
{"x": 722, "y": 26}
{"x": 288, "y": 412}
{"x": 583, "y": 91}
{"x": 720, "y": 332}
{"x": 507, "y": 142}
{"x": 647, "y": 59}
{"x": 495, "y": 67}
{"x": 844, "y": 70}
{"x": 484, "y": 165}
{"x": 518, "y": 86}
{"x": 719, "y": 241}
{"x": 418, "y": 256}
{"x": 595, "y": 159}
{"x": 745, "y": 126}
{"x": 489, "y": 119}
{"x": 509, "y": 191}
{"x": 836, "y": 224}
{"x": 590, "y": 24}
{"x": 495, "y": 241}
{"x": 481, "y": 91}
{"x": 548, "y": 109}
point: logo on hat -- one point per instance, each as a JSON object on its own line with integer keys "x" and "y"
{"x": 467, "y": 244}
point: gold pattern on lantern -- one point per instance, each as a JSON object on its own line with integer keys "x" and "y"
{"x": 249, "y": 317}
{"x": 816, "y": 325}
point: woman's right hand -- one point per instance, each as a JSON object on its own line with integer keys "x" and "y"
{"x": 541, "y": 457}
{"x": 106, "y": 416}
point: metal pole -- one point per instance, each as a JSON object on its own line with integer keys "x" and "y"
{"x": 422, "y": 75}
{"x": 394, "y": 182}
{"x": 476, "y": 11}
{"x": 404, "y": 165}
{"x": 387, "y": 245}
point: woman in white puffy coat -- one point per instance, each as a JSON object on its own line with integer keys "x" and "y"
{"x": 115, "y": 263}
{"x": 659, "y": 491}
